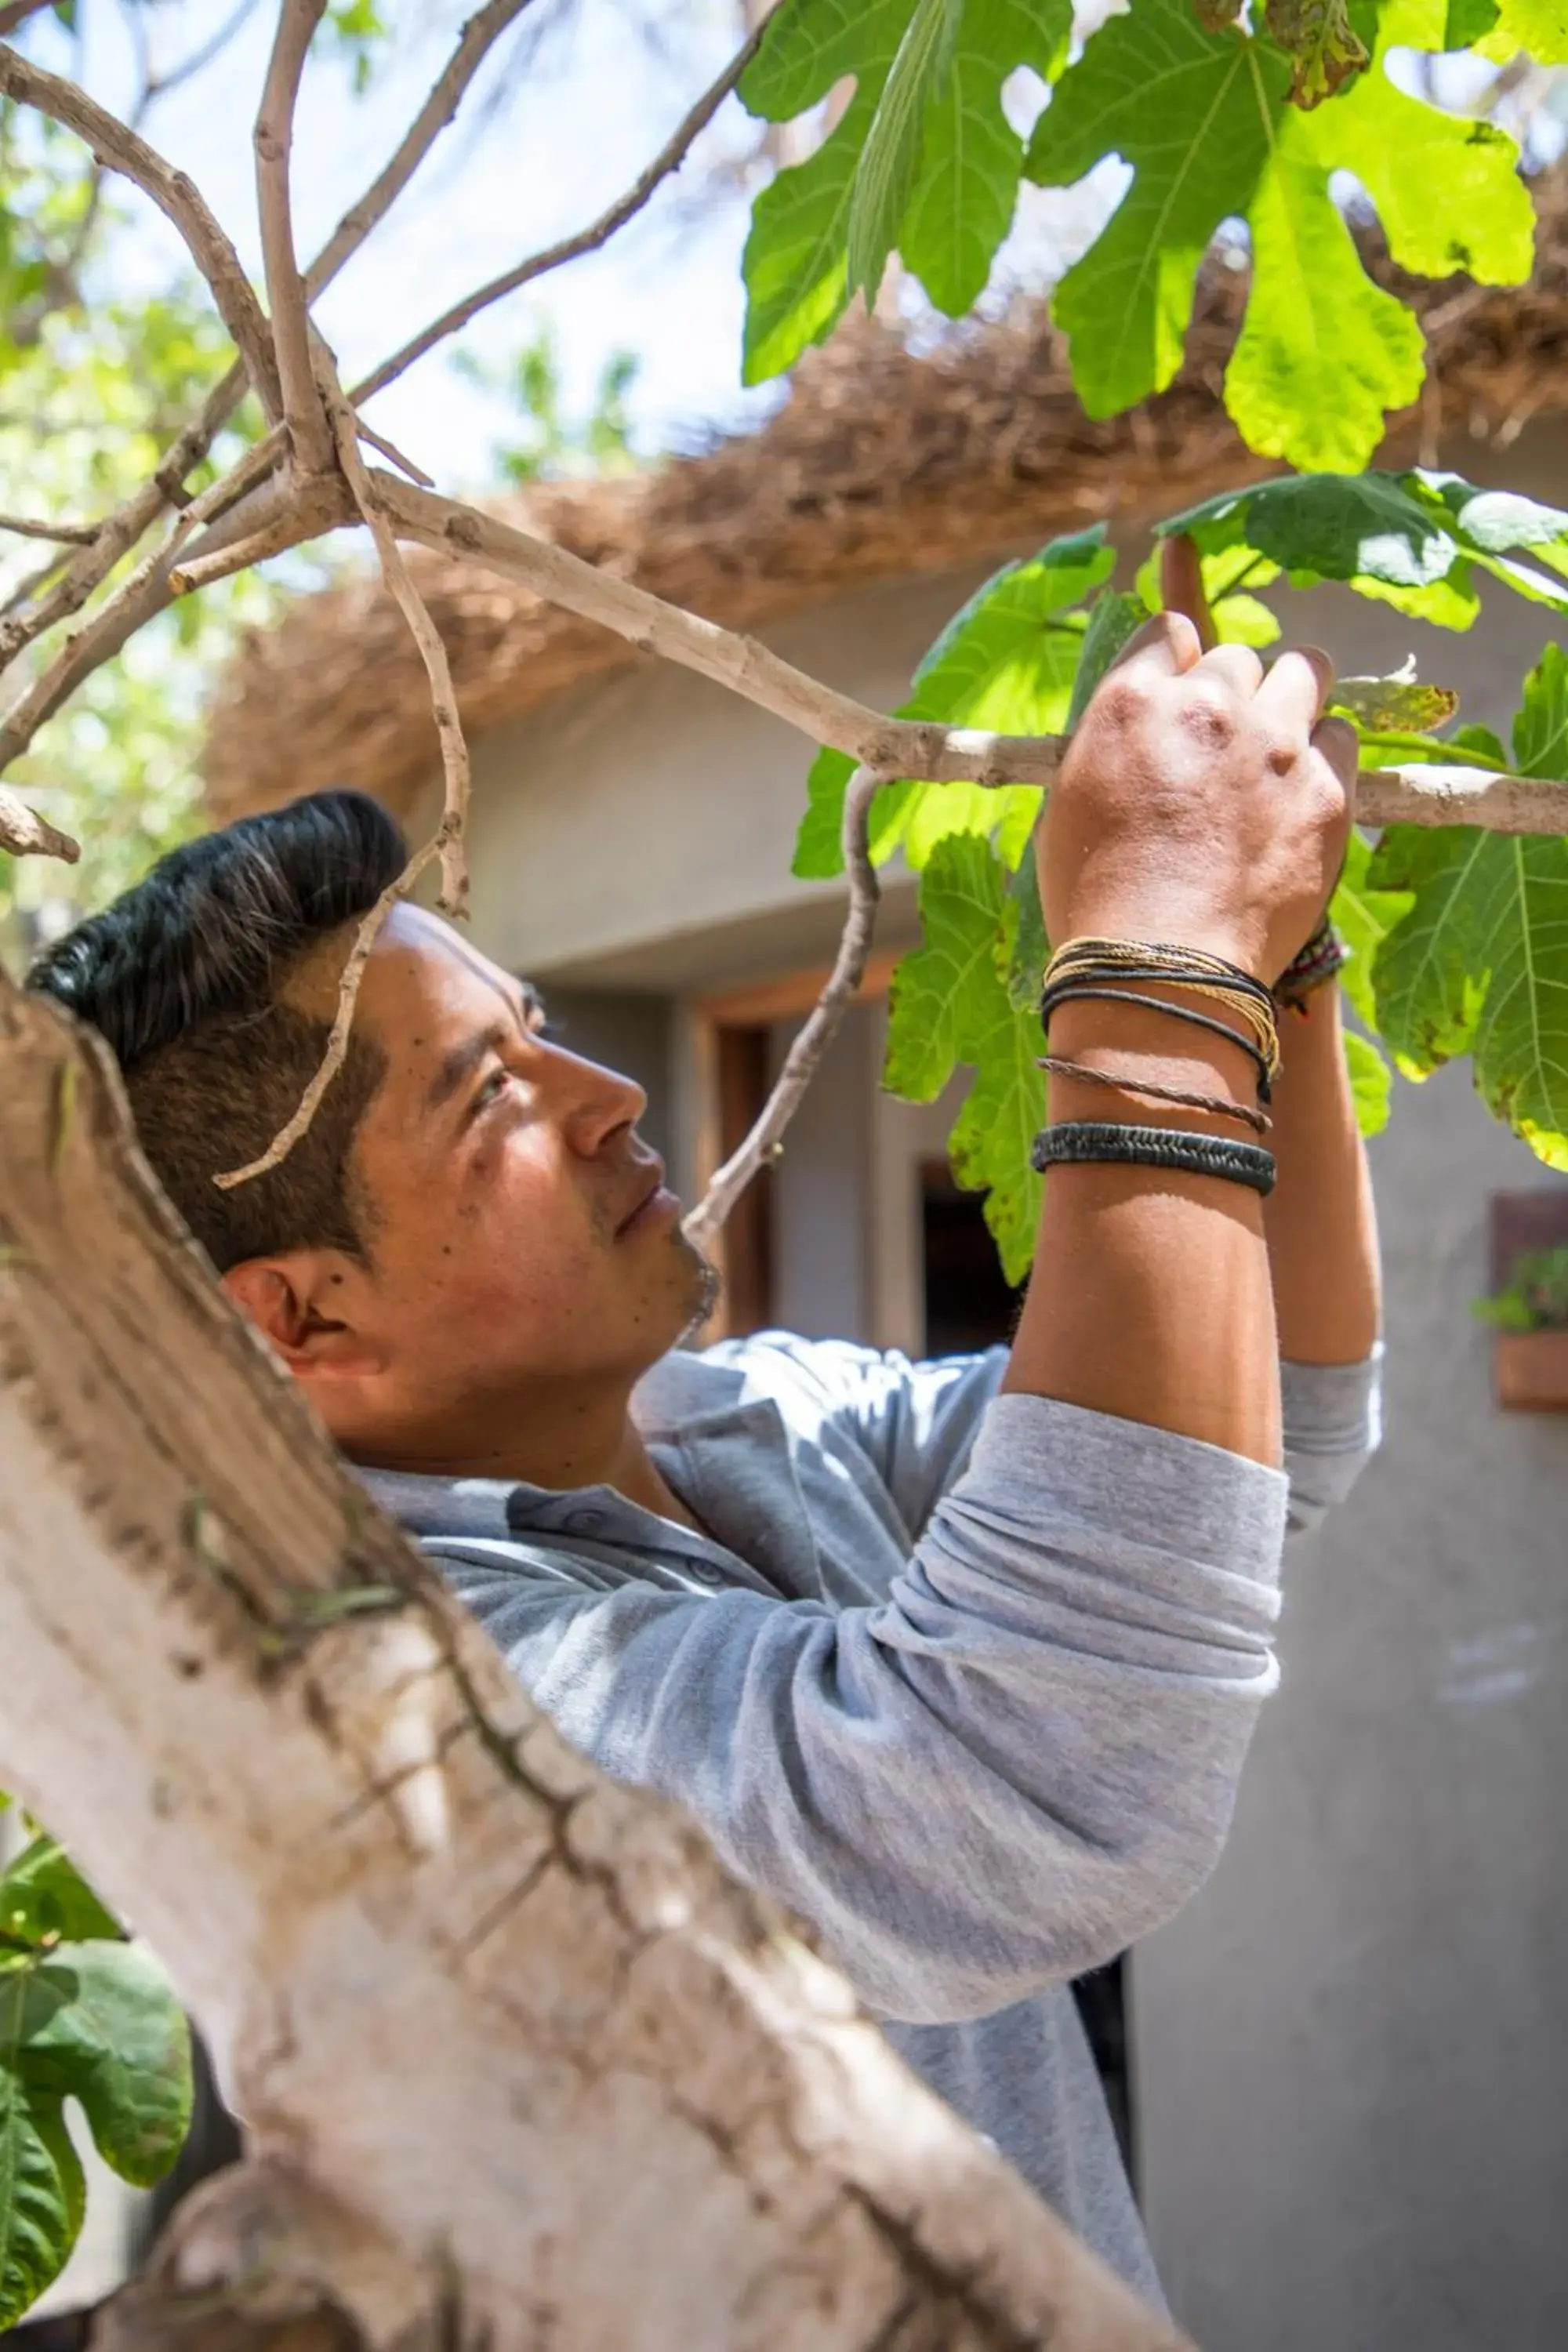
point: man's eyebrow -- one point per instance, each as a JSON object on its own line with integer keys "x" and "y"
{"x": 460, "y": 1061}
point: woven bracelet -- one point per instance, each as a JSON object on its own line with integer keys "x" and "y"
{"x": 1096, "y": 1142}
{"x": 1325, "y": 956}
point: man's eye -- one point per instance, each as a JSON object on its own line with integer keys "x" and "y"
{"x": 492, "y": 1090}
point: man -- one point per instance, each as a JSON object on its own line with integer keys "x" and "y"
{"x": 959, "y": 1659}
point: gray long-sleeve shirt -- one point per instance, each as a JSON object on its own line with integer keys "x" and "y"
{"x": 965, "y": 1679}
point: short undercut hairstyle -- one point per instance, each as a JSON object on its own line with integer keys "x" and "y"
{"x": 184, "y": 976}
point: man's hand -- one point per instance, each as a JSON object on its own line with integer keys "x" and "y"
{"x": 1203, "y": 802}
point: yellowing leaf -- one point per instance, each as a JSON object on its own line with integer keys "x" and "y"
{"x": 1480, "y": 963}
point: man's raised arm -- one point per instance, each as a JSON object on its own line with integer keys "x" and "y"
{"x": 1204, "y": 806}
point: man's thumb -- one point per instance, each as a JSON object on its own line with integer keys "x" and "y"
{"x": 1181, "y": 586}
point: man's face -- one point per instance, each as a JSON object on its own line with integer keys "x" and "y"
{"x": 518, "y": 1230}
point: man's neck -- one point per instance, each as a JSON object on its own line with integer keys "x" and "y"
{"x": 574, "y": 1442}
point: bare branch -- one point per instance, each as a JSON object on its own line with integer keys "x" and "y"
{"x": 320, "y": 507}
{"x": 120, "y": 532}
{"x": 12, "y": 18}
{"x": 478, "y": 38}
{"x": 365, "y": 484}
{"x": 671, "y": 157}
{"x": 1478, "y": 796}
{"x": 894, "y": 747}
{"x": 805, "y": 1058}
{"x": 308, "y": 430}
{"x": 897, "y": 747}
{"x": 394, "y": 456}
{"x": 176, "y": 196}
{"x": 25, "y": 835}
{"x": 64, "y": 534}
{"x": 27, "y": 588}
{"x": 158, "y": 85}
{"x": 331, "y": 1061}
{"x": 299, "y": 520}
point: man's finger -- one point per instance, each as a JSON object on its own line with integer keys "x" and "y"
{"x": 1297, "y": 687}
{"x": 1181, "y": 586}
{"x": 1340, "y": 745}
{"x": 1238, "y": 666}
{"x": 1162, "y": 648}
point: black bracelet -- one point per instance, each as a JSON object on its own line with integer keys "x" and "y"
{"x": 1089, "y": 1142}
{"x": 1069, "y": 990}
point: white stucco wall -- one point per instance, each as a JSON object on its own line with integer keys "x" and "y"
{"x": 1353, "y": 2048}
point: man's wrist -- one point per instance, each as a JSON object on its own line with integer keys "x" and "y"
{"x": 1128, "y": 1041}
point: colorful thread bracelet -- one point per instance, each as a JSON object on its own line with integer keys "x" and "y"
{"x": 1325, "y": 956}
{"x": 1106, "y": 1142}
{"x": 1085, "y": 964}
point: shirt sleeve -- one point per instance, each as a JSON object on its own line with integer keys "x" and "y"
{"x": 1021, "y": 1760}
{"x": 1334, "y": 1425}
{"x": 916, "y": 1421}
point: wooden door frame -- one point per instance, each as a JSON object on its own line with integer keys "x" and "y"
{"x": 728, "y": 1030}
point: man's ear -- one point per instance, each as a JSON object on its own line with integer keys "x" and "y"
{"x": 305, "y": 1304}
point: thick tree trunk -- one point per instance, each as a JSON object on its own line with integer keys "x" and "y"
{"x": 518, "y": 2063}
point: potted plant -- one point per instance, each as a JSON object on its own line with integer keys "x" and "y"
{"x": 1529, "y": 1317}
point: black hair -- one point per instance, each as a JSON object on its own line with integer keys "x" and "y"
{"x": 184, "y": 976}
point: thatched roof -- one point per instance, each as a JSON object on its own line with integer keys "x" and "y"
{"x": 880, "y": 464}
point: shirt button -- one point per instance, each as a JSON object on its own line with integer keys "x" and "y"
{"x": 705, "y": 1573}
{"x": 582, "y": 1523}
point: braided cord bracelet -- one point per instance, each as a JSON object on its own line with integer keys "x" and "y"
{"x": 1059, "y": 1067}
{"x": 1095, "y": 1142}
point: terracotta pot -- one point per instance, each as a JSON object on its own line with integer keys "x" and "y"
{"x": 1531, "y": 1371}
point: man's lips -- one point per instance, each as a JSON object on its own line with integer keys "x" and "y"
{"x": 653, "y": 1185}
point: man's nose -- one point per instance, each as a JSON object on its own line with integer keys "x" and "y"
{"x": 598, "y": 1102}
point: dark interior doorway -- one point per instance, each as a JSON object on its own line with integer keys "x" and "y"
{"x": 969, "y": 1304}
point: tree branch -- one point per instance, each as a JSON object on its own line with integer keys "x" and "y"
{"x": 365, "y": 484}
{"x": 26, "y": 834}
{"x": 894, "y": 747}
{"x": 63, "y": 534}
{"x": 478, "y": 38}
{"x": 447, "y": 842}
{"x": 299, "y": 1122}
{"x": 120, "y": 532}
{"x": 309, "y": 433}
{"x": 176, "y": 196}
{"x": 805, "y": 1058}
{"x": 14, "y": 17}
{"x": 321, "y": 506}
{"x": 671, "y": 157}
{"x": 1478, "y": 796}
